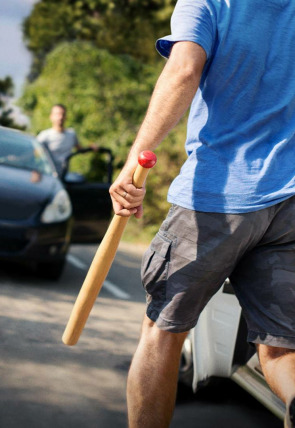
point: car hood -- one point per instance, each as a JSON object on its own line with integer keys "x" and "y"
{"x": 24, "y": 193}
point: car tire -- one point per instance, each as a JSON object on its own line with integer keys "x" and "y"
{"x": 52, "y": 270}
{"x": 186, "y": 367}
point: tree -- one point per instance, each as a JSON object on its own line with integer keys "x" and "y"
{"x": 107, "y": 97}
{"x": 120, "y": 26}
{"x": 6, "y": 91}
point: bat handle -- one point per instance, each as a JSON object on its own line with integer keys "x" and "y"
{"x": 146, "y": 160}
{"x": 102, "y": 260}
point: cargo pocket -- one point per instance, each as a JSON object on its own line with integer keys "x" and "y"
{"x": 154, "y": 269}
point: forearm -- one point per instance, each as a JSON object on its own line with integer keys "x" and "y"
{"x": 171, "y": 98}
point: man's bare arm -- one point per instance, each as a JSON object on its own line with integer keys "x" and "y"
{"x": 171, "y": 98}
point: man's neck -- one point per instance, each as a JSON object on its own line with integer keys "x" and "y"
{"x": 58, "y": 128}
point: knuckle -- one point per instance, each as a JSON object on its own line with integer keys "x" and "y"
{"x": 112, "y": 190}
{"x": 128, "y": 205}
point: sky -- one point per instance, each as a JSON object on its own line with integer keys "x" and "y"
{"x": 15, "y": 59}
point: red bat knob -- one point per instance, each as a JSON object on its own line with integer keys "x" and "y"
{"x": 147, "y": 159}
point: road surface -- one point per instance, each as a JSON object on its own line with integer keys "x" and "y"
{"x": 45, "y": 384}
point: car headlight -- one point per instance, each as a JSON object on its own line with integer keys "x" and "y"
{"x": 59, "y": 209}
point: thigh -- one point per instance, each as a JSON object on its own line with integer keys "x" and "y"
{"x": 264, "y": 282}
{"x": 189, "y": 259}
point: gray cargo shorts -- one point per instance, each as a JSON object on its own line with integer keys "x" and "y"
{"x": 194, "y": 252}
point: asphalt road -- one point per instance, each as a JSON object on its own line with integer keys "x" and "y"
{"x": 45, "y": 384}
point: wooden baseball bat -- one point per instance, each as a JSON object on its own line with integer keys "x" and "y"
{"x": 102, "y": 260}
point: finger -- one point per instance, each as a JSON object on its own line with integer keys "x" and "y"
{"x": 130, "y": 193}
{"x": 127, "y": 201}
{"x": 134, "y": 191}
{"x": 130, "y": 206}
{"x": 126, "y": 213}
{"x": 139, "y": 212}
{"x": 116, "y": 206}
{"x": 122, "y": 210}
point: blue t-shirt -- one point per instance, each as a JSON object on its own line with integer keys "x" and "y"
{"x": 241, "y": 128}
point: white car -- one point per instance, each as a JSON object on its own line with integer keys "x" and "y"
{"x": 217, "y": 347}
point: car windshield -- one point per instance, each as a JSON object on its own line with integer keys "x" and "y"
{"x": 22, "y": 151}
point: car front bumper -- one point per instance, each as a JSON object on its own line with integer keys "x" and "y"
{"x": 40, "y": 243}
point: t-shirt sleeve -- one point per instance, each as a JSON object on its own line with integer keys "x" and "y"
{"x": 42, "y": 137}
{"x": 193, "y": 21}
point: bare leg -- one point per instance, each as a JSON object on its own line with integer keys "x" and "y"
{"x": 278, "y": 366}
{"x": 152, "y": 380}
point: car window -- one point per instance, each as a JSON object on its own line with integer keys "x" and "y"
{"x": 23, "y": 151}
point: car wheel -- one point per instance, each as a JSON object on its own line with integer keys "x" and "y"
{"x": 186, "y": 368}
{"x": 52, "y": 270}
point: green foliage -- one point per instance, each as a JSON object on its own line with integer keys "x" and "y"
{"x": 6, "y": 86}
{"x": 90, "y": 55}
{"x": 170, "y": 157}
{"x": 6, "y": 91}
{"x": 106, "y": 97}
{"x": 93, "y": 166}
{"x": 120, "y": 26}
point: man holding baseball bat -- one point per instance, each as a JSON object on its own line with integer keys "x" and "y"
{"x": 233, "y": 203}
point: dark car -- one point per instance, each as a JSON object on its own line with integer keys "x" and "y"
{"x": 41, "y": 213}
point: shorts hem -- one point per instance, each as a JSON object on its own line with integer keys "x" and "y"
{"x": 271, "y": 339}
{"x": 170, "y": 326}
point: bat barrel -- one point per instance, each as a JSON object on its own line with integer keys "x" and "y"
{"x": 102, "y": 261}
{"x": 94, "y": 280}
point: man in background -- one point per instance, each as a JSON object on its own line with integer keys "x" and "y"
{"x": 60, "y": 140}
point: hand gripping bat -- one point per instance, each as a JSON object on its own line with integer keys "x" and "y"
{"x": 103, "y": 260}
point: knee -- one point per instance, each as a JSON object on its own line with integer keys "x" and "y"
{"x": 272, "y": 353}
{"x": 155, "y": 338}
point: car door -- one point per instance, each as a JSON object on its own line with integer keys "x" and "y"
{"x": 87, "y": 177}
